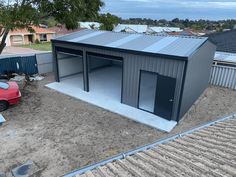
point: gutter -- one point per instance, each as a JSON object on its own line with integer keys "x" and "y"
{"x": 145, "y": 147}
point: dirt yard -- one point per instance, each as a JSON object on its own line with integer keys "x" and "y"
{"x": 60, "y": 133}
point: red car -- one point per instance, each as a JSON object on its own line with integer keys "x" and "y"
{"x": 9, "y": 94}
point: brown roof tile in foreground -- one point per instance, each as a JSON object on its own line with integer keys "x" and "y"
{"x": 209, "y": 151}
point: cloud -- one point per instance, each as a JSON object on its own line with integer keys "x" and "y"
{"x": 210, "y": 4}
{"x": 212, "y": 9}
{"x": 186, "y": 3}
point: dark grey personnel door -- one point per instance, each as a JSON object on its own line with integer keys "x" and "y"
{"x": 165, "y": 92}
{"x": 156, "y": 94}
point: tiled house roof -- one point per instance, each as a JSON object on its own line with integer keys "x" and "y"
{"x": 37, "y": 30}
{"x": 209, "y": 151}
{"x": 61, "y": 30}
{"x": 225, "y": 41}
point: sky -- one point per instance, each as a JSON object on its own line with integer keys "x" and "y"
{"x": 169, "y": 9}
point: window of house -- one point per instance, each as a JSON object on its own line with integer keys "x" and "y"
{"x": 43, "y": 37}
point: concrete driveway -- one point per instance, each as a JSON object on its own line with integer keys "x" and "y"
{"x": 19, "y": 50}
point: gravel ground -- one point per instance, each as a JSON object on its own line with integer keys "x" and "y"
{"x": 60, "y": 133}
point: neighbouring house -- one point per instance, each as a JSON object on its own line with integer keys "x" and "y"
{"x": 162, "y": 30}
{"x": 24, "y": 37}
{"x": 89, "y": 25}
{"x": 224, "y": 41}
{"x": 130, "y": 28}
{"x": 156, "y": 76}
{"x": 226, "y": 48}
{"x": 224, "y": 65}
{"x": 61, "y": 30}
{"x": 185, "y": 32}
{"x": 133, "y": 28}
{"x": 188, "y": 32}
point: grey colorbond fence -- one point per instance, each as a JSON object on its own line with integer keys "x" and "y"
{"x": 223, "y": 76}
{"x": 44, "y": 62}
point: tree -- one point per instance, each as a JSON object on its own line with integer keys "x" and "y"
{"x": 175, "y": 20}
{"x": 19, "y": 14}
{"x": 108, "y": 21}
{"x": 50, "y": 22}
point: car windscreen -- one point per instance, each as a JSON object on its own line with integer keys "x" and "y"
{"x": 4, "y": 85}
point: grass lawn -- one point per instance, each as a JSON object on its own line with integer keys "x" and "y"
{"x": 46, "y": 46}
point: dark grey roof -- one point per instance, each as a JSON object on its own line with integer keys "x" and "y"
{"x": 155, "y": 44}
{"x": 210, "y": 151}
{"x": 225, "y": 41}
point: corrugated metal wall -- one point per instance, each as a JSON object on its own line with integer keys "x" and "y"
{"x": 197, "y": 76}
{"x": 132, "y": 66}
{"x": 24, "y": 64}
{"x": 223, "y": 76}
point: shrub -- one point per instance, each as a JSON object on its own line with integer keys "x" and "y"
{"x": 37, "y": 41}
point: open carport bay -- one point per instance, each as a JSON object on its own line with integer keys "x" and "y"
{"x": 104, "y": 74}
{"x": 104, "y": 83}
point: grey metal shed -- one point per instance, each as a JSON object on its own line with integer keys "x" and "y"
{"x": 163, "y": 75}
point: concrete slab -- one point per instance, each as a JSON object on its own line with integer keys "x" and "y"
{"x": 105, "y": 92}
{"x": 114, "y": 106}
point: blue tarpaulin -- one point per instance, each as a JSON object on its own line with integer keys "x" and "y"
{"x": 26, "y": 65}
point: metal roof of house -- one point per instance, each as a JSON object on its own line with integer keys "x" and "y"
{"x": 89, "y": 25}
{"x": 208, "y": 151}
{"x": 159, "y": 29}
{"x": 131, "y": 27}
{"x": 154, "y": 44}
{"x": 225, "y": 57}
